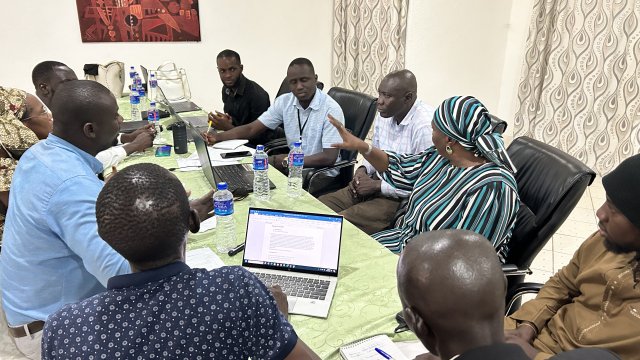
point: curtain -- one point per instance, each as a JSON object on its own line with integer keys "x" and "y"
{"x": 369, "y": 38}
{"x": 580, "y": 84}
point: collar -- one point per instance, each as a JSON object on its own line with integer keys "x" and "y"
{"x": 148, "y": 276}
{"x": 91, "y": 161}
{"x": 409, "y": 117}
{"x": 315, "y": 104}
{"x": 241, "y": 84}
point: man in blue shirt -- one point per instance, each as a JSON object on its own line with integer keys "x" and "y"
{"x": 52, "y": 254}
{"x": 303, "y": 112}
{"x": 164, "y": 309}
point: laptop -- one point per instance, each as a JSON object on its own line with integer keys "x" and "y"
{"x": 178, "y": 106}
{"x": 298, "y": 251}
{"x": 239, "y": 177}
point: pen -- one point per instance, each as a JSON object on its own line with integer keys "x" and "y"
{"x": 236, "y": 250}
{"x": 384, "y": 354}
{"x": 210, "y": 126}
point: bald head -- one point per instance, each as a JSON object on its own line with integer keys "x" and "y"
{"x": 397, "y": 93}
{"x": 86, "y": 115}
{"x": 452, "y": 283}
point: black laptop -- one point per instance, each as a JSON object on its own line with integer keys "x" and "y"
{"x": 239, "y": 177}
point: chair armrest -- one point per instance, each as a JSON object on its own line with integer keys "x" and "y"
{"x": 514, "y": 270}
{"x": 275, "y": 144}
{"x": 339, "y": 165}
{"x": 519, "y": 290}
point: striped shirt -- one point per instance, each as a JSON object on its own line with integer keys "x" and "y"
{"x": 482, "y": 198}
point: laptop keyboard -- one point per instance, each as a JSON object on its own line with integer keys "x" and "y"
{"x": 183, "y": 107}
{"x": 297, "y": 286}
{"x": 235, "y": 176}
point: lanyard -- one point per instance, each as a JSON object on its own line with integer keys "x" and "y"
{"x": 302, "y": 126}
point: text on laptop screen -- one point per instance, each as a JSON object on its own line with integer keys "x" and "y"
{"x": 293, "y": 240}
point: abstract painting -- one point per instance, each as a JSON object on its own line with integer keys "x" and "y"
{"x": 138, "y": 20}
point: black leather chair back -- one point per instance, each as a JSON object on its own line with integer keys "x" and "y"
{"x": 550, "y": 184}
{"x": 359, "y": 111}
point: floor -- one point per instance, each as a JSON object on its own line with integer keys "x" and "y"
{"x": 580, "y": 224}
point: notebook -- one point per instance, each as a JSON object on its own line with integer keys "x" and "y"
{"x": 239, "y": 177}
{"x": 298, "y": 251}
{"x": 366, "y": 349}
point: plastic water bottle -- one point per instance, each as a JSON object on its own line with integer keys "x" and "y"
{"x": 132, "y": 75}
{"x": 152, "y": 116}
{"x": 225, "y": 224}
{"x": 260, "y": 173}
{"x": 134, "y": 100}
{"x": 141, "y": 93}
{"x": 153, "y": 87}
{"x": 296, "y": 163}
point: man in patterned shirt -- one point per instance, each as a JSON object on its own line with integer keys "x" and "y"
{"x": 403, "y": 125}
{"x": 164, "y": 309}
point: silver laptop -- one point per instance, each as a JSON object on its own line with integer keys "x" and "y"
{"x": 298, "y": 251}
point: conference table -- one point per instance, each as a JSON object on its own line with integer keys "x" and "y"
{"x": 366, "y": 299}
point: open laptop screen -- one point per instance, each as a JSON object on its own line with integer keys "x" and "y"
{"x": 294, "y": 241}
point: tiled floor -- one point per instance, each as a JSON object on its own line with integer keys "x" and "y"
{"x": 581, "y": 223}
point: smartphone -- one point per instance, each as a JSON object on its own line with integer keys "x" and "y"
{"x": 235, "y": 154}
{"x": 162, "y": 151}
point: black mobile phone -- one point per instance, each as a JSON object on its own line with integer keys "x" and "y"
{"x": 235, "y": 154}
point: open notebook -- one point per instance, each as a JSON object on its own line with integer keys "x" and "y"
{"x": 366, "y": 349}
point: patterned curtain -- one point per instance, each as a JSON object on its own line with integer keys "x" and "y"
{"x": 369, "y": 38}
{"x": 580, "y": 84}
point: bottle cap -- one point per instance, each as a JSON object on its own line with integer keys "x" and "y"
{"x": 297, "y": 144}
{"x": 152, "y": 103}
{"x": 260, "y": 147}
{"x": 222, "y": 186}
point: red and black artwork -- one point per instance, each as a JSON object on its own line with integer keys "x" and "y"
{"x": 138, "y": 20}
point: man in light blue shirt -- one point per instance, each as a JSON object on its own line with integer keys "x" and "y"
{"x": 52, "y": 254}
{"x": 303, "y": 112}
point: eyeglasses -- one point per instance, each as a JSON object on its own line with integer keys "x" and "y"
{"x": 45, "y": 112}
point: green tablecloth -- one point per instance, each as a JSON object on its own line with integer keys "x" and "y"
{"x": 366, "y": 299}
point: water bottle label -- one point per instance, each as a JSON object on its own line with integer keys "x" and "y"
{"x": 260, "y": 164}
{"x": 297, "y": 159}
{"x": 223, "y": 207}
{"x": 134, "y": 99}
{"x": 153, "y": 83}
{"x": 152, "y": 115}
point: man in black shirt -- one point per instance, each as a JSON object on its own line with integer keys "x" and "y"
{"x": 244, "y": 100}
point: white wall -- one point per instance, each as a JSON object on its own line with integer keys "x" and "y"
{"x": 268, "y": 35}
{"x": 456, "y": 47}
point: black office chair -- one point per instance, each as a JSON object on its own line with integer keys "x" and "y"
{"x": 550, "y": 184}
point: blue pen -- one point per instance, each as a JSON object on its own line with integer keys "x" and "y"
{"x": 384, "y": 354}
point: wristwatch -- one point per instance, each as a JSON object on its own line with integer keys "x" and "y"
{"x": 285, "y": 162}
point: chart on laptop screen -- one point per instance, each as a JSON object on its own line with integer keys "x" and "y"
{"x": 293, "y": 240}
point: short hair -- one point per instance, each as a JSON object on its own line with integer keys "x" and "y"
{"x": 229, "y": 54}
{"x": 77, "y": 102}
{"x": 302, "y": 61}
{"x": 143, "y": 213}
{"x": 43, "y": 71}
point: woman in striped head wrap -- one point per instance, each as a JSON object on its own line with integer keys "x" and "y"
{"x": 464, "y": 181}
{"x": 24, "y": 120}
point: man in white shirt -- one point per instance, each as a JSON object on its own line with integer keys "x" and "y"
{"x": 47, "y": 75}
{"x": 403, "y": 125}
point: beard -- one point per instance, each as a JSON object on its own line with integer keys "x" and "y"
{"x": 615, "y": 248}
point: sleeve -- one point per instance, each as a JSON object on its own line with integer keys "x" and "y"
{"x": 111, "y": 157}
{"x": 375, "y": 142}
{"x": 491, "y": 210}
{"x": 405, "y": 169}
{"x": 329, "y": 132}
{"x": 259, "y": 105}
{"x": 274, "y": 116}
{"x": 558, "y": 291}
{"x": 423, "y": 139}
{"x": 272, "y": 335}
{"x": 72, "y": 216}
{"x": 49, "y": 340}
{"x": 390, "y": 191}
{"x": 7, "y": 167}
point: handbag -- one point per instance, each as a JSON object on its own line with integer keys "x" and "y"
{"x": 172, "y": 81}
{"x": 110, "y": 75}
